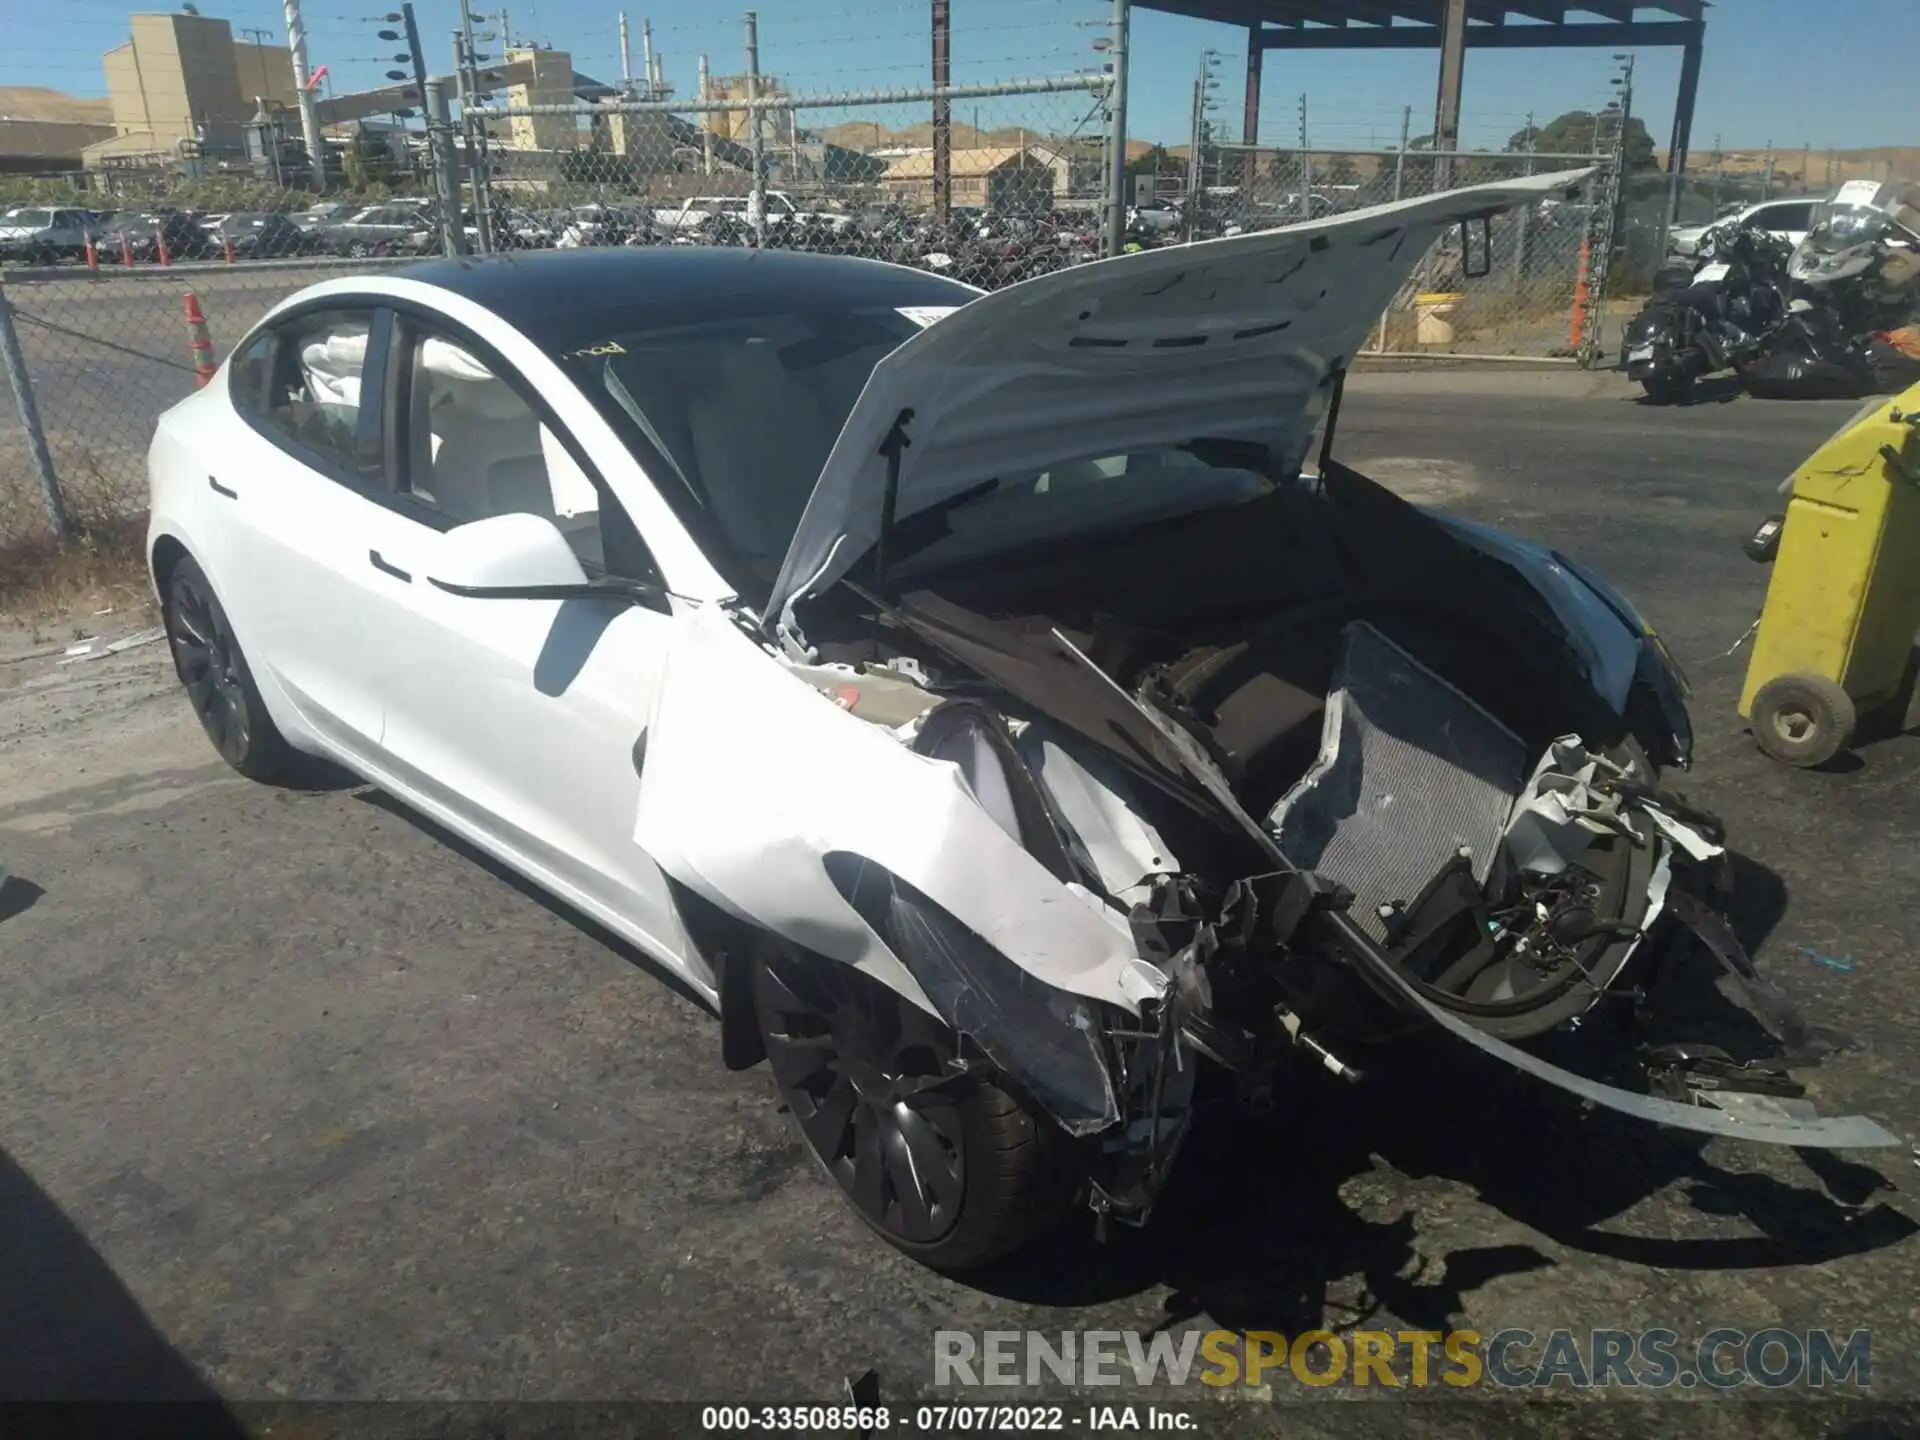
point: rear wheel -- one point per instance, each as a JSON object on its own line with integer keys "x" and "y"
{"x": 1669, "y": 389}
{"x": 950, "y": 1168}
{"x": 220, "y": 687}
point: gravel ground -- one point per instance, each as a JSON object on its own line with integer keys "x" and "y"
{"x": 301, "y": 1099}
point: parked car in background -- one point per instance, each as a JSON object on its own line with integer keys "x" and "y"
{"x": 1789, "y": 219}
{"x": 261, "y": 235}
{"x": 144, "y": 233}
{"x": 43, "y": 234}
{"x": 390, "y": 229}
{"x": 694, "y": 214}
{"x": 321, "y": 212}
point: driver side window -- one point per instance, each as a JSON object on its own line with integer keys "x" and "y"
{"x": 472, "y": 445}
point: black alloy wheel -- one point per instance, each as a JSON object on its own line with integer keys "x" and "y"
{"x": 208, "y": 660}
{"x": 865, "y": 1075}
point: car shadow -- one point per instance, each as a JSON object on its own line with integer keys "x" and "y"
{"x": 71, "y": 1331}
{"x": 1323, "y": 1215}
{"x": 1708, "y": 390}
{"x": 631, "y": 953}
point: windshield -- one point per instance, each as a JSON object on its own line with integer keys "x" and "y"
{"x": 742, "y": 412}
{"x": 37, "y": 219}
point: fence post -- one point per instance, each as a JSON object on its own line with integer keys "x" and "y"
{"x": 16, "y": 366}
{"x": 1121, "y": 23}
{"x": 756, "y": 133}
{"x": 1525, "y": 217}
{"x": 1399, "y": 193}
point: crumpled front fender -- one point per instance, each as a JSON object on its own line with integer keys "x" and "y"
{"x": 752, "y": 777}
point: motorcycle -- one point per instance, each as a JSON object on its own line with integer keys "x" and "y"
{"x": 1710, "y": 318}
{"x": 1856, "y": 284}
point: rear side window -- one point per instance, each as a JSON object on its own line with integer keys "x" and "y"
{"x": 304, "y": 384}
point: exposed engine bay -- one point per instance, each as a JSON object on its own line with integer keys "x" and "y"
{"x": 1335, "y": 773}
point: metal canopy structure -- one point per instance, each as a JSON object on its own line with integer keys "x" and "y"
{"x": 1455, "y": 26}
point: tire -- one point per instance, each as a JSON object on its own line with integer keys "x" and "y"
{"x": 955, "y": 1175}
{"x": 358, "y": 250}
{"x": 1669, "y": 391}
{"x": 1803, "y": 720}
{"x": 219, "y": 684}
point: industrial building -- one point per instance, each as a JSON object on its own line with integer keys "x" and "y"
{"x": 182, "y": 84}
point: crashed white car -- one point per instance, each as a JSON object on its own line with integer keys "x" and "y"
{"x": 990, "y": 704}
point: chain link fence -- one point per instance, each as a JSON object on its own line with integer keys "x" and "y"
{"x": 991, "y": 184}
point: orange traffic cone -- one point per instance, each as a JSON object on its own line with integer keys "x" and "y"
{"x": 199, "y": 341}
{"x": 93, "y": 255}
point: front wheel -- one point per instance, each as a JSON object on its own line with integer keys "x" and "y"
{"x": 949, "y": 1167}
{"x": 219, "y": 685}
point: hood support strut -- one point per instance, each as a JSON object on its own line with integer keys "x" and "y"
{"x": 892, "y": 447}
{"x": 1332, "y": 422}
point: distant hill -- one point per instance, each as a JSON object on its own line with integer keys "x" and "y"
{"x": 1889, "y": 162}
{"x": 36, "y": 102}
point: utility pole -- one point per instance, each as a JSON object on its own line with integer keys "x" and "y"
{"x": 472, "y": 92}
{"x": 706, "y": 120}
{"x": 942, "y": 112}
{"x": 1766, "y": 182}
{"x": 303, "y": 92}
{"x": 1197, "y": 143}
{"x": 1306, "y": 163}
{"x": 756, "y": 131}
{"x": 1400, "y": 156}
{"x": 1118, "y": 26}
{"x": 440, "y": 147}
{"x": 1719, "y": 173}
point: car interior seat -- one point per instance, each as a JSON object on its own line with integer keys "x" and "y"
{"x": 330, "y": 368}
{"x": 475, "y": 441}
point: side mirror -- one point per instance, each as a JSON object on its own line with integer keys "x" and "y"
{"x": 505, "y": 553}
{"x": 525, "y": 557}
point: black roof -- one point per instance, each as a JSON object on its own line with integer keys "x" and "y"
{"x": 559, "y": 298}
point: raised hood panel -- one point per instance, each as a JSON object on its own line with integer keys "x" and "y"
{"x": 1233, "y": 339}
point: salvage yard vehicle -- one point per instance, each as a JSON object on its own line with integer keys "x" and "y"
{"x": 45, "y": 234}
{"x": 991, "y": 705}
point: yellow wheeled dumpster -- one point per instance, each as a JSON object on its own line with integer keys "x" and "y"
{"x": 1843, "y": 604}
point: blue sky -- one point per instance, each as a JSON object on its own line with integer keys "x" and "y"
{"x": 1787, "y": 71}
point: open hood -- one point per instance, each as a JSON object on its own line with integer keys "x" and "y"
{"x": 1234, "y": 339}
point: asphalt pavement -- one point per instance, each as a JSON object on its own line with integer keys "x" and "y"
{"x": 299, "y": 1098}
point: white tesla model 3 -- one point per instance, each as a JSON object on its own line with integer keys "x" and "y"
{"x": 986, "y": 703}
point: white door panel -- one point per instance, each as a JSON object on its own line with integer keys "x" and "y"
{"x": 294, "y": 568}
{"x": 522, "y": 717}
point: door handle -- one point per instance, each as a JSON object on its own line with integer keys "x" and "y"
{"x": 219, "y": 489}
{"x": 384, "y": 567}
